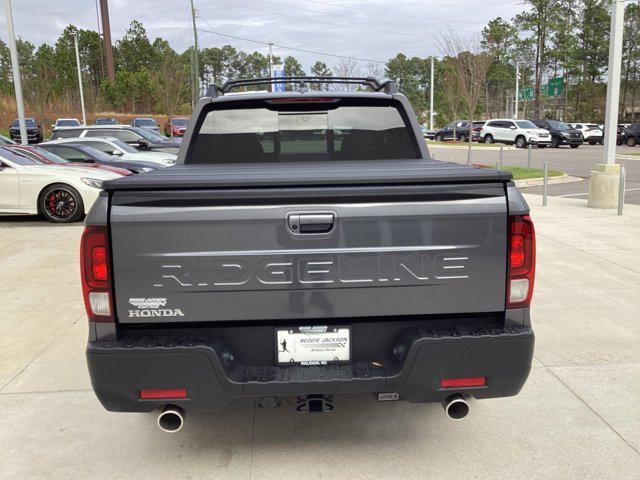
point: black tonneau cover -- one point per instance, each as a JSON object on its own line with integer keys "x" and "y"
{"x": 422, "y": 171}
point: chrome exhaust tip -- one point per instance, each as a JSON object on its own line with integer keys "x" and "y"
{"x": 171, "y": 419}
{"x": 456, "y": 407}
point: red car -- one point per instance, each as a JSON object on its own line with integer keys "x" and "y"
{"x": 176, "y": 126}
{"x": 51, "y": 158}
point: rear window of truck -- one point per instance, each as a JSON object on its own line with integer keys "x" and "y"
{"x": 278, "y": 131}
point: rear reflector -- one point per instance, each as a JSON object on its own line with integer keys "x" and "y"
{"x": 463, "y": 382}
{"x": 521, "y": 263}
{"x": 163, "y": 393}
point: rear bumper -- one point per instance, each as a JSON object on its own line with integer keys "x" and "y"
{"x": 209, "y": 370}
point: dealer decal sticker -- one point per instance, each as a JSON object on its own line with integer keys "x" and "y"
{"x": 151, "y": 307}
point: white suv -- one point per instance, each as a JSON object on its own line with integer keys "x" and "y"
{"x": 591, "y": 132}
{"x": 520, "y": 132}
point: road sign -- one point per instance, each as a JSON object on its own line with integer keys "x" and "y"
{"x": 526, "y": 93}
{"x": 277, "y": 72}
{"x": 553, "y": 88}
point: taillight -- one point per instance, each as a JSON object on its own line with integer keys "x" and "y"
{"x": 94, "y": 270}
{"x": 521, "y": 261}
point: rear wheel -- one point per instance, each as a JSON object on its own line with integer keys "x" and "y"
{"x": 61, "y": 203}
{"x": 575, "y": 145}
{"x": 631, "y": 141}
{"x": 488, "y": 138}
{"x": 555, "y": 142}
{"x": 462, "y": 138}
{"x": 438, "y": 138}
{"x": 521, "y": 142}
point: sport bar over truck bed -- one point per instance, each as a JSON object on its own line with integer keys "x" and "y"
{"x": 307, "y": 245}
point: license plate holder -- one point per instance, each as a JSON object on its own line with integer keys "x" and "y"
{"x": 313, "y": 345}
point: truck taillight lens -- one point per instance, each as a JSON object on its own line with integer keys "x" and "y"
{"x": 521, "y": 261}
{"x": 94, "y": 270}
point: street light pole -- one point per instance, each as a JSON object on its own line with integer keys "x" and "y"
{"x": 270, "y": 60}
{"x": 431, "y": 98}
{"x": 613, "y": 83}
{"x": 15, "y": 68}
{"x": 515, "y": 110}
{"x": 84, "y": 113}
{"x": 605, "y": 178}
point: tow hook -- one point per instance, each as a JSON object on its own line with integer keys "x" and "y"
{"x": 318, "y": 403}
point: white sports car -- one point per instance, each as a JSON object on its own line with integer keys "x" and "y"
{"x": 60, "y": 193}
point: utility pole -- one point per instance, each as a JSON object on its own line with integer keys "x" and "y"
{"x": 431, "y": 98}
{"x": 270, "y": 60}
{"x": 15, "y": 67}
{"x": 84, "y": 113}
{"x": 515, "y": 110}
{"x": 196, "y": 67}
{"x": 106, "y": 40}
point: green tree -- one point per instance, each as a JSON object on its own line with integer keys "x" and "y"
{"x": 134, "y": 51}
{"x": 413, "y": 78}
{"x": 540, "y": 20}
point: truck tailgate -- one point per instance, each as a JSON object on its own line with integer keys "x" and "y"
{"x": 210, "y": 255}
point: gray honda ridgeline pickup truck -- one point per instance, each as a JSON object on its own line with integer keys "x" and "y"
{"x": 306, "y": 245}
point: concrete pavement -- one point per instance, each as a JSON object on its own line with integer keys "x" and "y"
{"x": 577, "y": 416}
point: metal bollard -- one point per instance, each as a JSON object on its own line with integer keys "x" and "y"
{"x": 529, "y": 157}
{"x": 501, "y": 154}
{"x": 545, "y": 178}
{"x": 469, "y": 155}
{"x": 623, "y": 178}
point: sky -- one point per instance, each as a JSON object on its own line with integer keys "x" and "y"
{"x": 370, "y": 30}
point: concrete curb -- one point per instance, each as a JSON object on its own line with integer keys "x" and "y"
{"x": 533, "y": 182}
{"x": 460, "y": 147}
{"x": 627, "y": 157}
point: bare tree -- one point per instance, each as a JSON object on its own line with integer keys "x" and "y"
{"x": 452, "y": 87}
{"x": 171, "y": 77}
{"x": 470, "y": 64}
{"x": 346, "y": 67}
{"x": 375, "y": 70}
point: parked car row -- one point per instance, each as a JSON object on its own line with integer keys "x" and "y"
{"x": 175, "y": 127}
{"x": 538, "y": 132}
{"x": 141, "y": 138}
{"x": 61, "y": 178}
{"x": 61, "y": 193}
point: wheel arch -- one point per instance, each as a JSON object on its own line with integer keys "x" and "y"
{"x": 49, "y": 184}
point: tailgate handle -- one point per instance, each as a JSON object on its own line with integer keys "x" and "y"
{"x": 310, "y": 223}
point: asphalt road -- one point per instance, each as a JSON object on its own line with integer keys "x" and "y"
{"x": 578, "y": 162}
